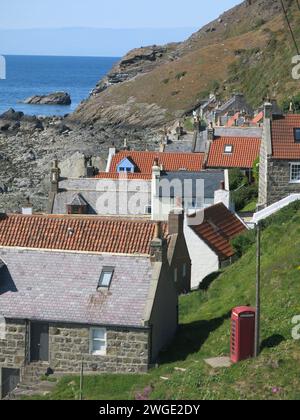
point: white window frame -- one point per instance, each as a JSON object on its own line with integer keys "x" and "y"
{"x": 92, "y": 339}
{"x": 227, "y": 146}
{"x": 291, "y": 170}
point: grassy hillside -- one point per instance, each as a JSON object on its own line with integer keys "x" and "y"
{"x": 205, "y": 332}
{"x": 248, "y": 49}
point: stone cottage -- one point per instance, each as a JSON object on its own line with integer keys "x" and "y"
{"x": 100, "y": 290}
{"x": 279, "y": 157}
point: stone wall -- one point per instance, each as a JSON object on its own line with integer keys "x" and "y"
{"x": 127, "y": 350}
{"x": 12, "y": 349}
{"x": 278, "y": 184}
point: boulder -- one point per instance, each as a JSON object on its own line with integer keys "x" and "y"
{"x": 57, "y": 98}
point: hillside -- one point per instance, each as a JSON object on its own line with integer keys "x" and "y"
{"x": 205, "y": 332}
{"x": 246, "y": 49}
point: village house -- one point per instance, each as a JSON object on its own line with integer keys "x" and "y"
{"x": 208, "y": 234}
{"x": 279, "y": 157}
{"x": 88, "y": 288}
{"x": 137, "y": 183}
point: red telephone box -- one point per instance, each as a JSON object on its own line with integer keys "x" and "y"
{"x": 242, "y": 333}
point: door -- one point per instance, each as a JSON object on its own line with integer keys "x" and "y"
{"x": 39, "y": 342}
{"x": 9, "y": 381}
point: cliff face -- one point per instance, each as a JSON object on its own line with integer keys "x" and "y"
{"x": 154, "y": 85}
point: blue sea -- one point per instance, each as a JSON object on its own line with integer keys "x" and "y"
{"x": 40, "y": 75}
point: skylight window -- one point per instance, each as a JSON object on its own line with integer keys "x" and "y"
{"x": 297, "y": 135}
{"x": 106, "y": 278}
{"x": 228, "y": 148}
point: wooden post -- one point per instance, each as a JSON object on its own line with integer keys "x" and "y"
{"x": 81, "y": 381}
{"x": 258, "y": 272}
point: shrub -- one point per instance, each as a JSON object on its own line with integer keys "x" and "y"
{"x": 180, "y": 75}
{"x": 243, "y": 242}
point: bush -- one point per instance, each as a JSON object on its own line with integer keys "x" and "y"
{"x": 243, "y": 242}
{"x": 236, "y": 179}
{"x": 244, "y": 195}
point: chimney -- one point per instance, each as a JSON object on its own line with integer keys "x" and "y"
{"x": 223, "y": 196}
{"x": 158, "y": 246}
{"x": 161, "y": 147}
{"x": 176, "y": 219}
{"x": 90, "y": 170}
{"x": 156, "y": 169}
{"x": 55, "y": 175}
{"x": 268, "y": 110}
{"x": 210, "y": 133}
{"x": 27, "y": 208}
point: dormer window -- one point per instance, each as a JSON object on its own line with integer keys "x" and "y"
{"x": 126, "y": 165}
{"x": 78, "y": 205}
{"x": 228, "y": 149}
{"x": 106, "y": 278}
{"x": 297, "y": 135}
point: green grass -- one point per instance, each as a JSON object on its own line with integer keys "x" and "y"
{"x": 250, "y": 207}
{"x": 205, "y": 332}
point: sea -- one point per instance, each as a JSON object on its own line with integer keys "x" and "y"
{"x": 40, "y": 75}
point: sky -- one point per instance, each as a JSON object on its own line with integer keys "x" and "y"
{"x": 169, "y": 18}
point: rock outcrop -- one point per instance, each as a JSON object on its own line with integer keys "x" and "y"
{"x": 57, "y": 98}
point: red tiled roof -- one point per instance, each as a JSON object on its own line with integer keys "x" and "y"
{"x": 172, "y": 162}
{"x": 283, "y": 141}
{"x": 77, "y": 233}
{"x": 258, "y": 118}
{"x": 245, "y": 151}
{"x": 232, "y": 120}
{"x": 130, "y": 176}
{"x": 218, "y": 228}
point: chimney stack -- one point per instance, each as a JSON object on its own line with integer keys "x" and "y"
{"x": 176, "y": 219}
{"x": 210, "y": 133}
{"x": 268, "y": 110}
{"x": 158, "y": 246}
{"x": 55, "y": 175}
{"x": 27, "y": 208}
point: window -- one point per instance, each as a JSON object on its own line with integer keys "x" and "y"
{"x": 125, "y": 169}
{"x": 297, "y": 135}
{"x": 148, "y": 209}
{"x": 228, "y": 148}
{"x": 184, "y": 270}
{"x": 295, "y": 172}
{"x": 106, "y": 277}
{"x": 98, "y": 341}
{"x": 175, "y": 275}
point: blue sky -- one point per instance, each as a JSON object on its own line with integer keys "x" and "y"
{"x": 139, "y": 22}
{"x": 110, "y": 14}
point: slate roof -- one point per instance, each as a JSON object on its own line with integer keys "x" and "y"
{"x": 77, "y": 233}
{"x": 283, "y": 141}
{"x": 62, "y": 287}
{"x": 211, "y": 178}
{"x": 245, "y": 151}
{"x": 219, "y": 226}
{"x": 77, "y": 200}
{"x": 171, "y": 161}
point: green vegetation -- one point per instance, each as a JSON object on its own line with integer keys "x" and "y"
{"x": 244, "y": 194}
{"x": 189, "y": 124}
{"x": 205, "y": 331}
{"x": 296, "y": 104}
{"x": 180, "y": 75}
